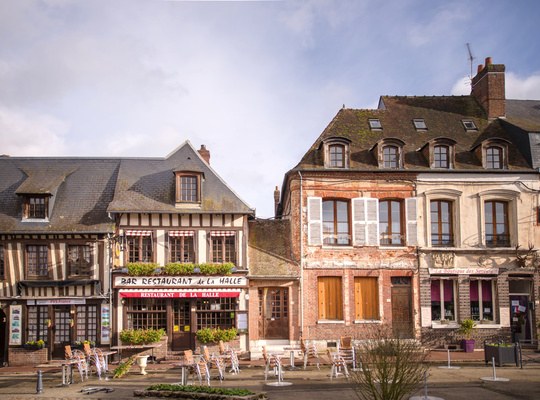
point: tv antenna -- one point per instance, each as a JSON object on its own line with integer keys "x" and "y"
{"x": 471, "y": 59}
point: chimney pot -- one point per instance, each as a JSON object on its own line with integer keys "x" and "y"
{"x": 488, "y": 61}
{"x": 480, "y": 68}
{"x": 205, "y": 154}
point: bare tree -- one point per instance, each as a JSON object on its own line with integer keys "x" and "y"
{"x": 390, "y": 368}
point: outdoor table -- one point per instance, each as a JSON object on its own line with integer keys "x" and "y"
{"x": 292, "y": 349}
{"x": 136, "y": 347}
{"x": 106, "y": 354}
{"x": 67, "y": 369}
{"x": 184, "y": 371}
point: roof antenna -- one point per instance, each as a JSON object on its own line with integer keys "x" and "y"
{"x": 471, "y": 59}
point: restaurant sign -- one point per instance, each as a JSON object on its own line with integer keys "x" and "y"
{"x": 179, "y": 281}
{"x": 178, "y": 294}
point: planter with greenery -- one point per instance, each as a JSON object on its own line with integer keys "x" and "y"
{"x": 466, "y": 328}
{"x": 178, "y": 269}
{"x": 214, "y": 335}
{"x": 141, "y": 336}
{"x": 503, "y": 353}
{"x": 197, "y": 392}
{"x": 34, "y": 344}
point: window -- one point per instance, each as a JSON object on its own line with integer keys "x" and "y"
{"x": 337, "y": 156}
{"x": 336, "y": 222}
{"x": 139, "y": 246}
{"x": 391, "y": 222}
{"x": 87, "y": 323}
{"x": 494, "y": 157}
{"x": 146, "y": 313}
{"x": 481, "y": 296}
{"x": 442, "y": 233}
{"x": 216, "y": 313}
{"x": 181, "y": 248}
{"x": 366, "y": 298}
{"x": 79, "y": 260}
{"x": 223, "y": 247}
{"x": 375, "y": 124}
{"x": 496, "y": 223}
{"x": 390, "y": 157}
{"x": 469, "y": 125}
{"x": 420, "y": 124}
{"x": 443, "y": 300}
{"x": 37, "y": 322}
{"x": 188, "y": 187}
{"x": 37, "y": 261}
{"x": 36, "y": 207}
{"x": 2, "y": 265}
{"x": 441, "y": 157}
{"x": 330, "y": 298}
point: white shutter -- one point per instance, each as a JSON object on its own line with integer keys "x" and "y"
{"x": 372, "y": 222}
{"x": 359, "y": 221}
{"x": 411, "y": 217}
{"x": 314, "y": 214}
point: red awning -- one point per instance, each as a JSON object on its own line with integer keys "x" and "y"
{"x": 222, "y": 233}
{"x": 181, "y": 233}
{"x": 178, "y": 294}
{"x": 133, "y": 232}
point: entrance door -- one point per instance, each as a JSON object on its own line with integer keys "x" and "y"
{"x": 181, "y": 332}
{"x": 402, "y": 323}
{"x": 61, "y": 330}
{"x": 274, "y": 313}
{"x": 520, "y": 318}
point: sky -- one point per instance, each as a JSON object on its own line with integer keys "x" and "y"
{"x": 256, "y": 82}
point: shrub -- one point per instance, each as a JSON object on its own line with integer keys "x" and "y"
{"x": 141, "y": 336}
{"x": 179, "y": 269}
{"x": 201, "y": 389}
{"x": 123, "y": 367}
{"x": 214, "y": 335}
{"x": 142, "y": 269}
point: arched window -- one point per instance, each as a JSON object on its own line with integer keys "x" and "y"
{"x": 494, "y": 157}
{"x": 337, "y": 156}
{"x": 390, "y": 157}
{"x": 391, "y": 222}
{"x": 441, "y": 156}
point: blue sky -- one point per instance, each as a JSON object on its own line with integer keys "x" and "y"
{"x": 255, "y": 81}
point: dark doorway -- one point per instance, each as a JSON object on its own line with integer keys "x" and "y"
{"x": 402, "y": 322}
{"x": 182, "y": 337}
{"x": 274, "y": 313}
{"x": 61, "y": 330}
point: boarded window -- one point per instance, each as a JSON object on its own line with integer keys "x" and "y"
{"x": 366, "y": 298}
{"x": 330, "y": 298}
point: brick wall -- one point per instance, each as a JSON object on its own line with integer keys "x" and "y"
{"x": 18, "y": 356}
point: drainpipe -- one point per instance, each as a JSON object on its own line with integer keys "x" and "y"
{"x": 301, "y": 260}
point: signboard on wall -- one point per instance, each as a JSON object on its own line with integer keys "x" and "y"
{"x": 105, "y": 324}
{"x": 179, "y": 281}
{"x": 178, "y": 294}
{"x": 15, "y": 325}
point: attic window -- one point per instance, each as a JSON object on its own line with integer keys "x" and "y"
{"x": 420, "y": 124}
{"x": 375, "y": 124}
{"x": 188, "y": 187}
{"x": 35, "y": 207}
{"x": 469, "y": 125}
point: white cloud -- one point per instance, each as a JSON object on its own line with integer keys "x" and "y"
{"x": 524, "y": 88}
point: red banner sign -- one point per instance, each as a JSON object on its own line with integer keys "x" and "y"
{"x": 179, "y": 294}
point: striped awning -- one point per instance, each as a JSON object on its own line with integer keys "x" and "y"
{"x": 136, "y": 232}
{"x": 223, "y": 233}
{"x": 181, "y": 233}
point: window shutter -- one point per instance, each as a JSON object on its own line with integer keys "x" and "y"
{"x": 411, "y": 216}
{"x": 359, "y": 221}
{"x": 314, "y": 212}
{"x": 366, "y": 295}
{"x": 372, "y": 222}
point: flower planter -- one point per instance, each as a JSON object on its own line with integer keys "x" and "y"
{"x": 142, "y": 362}
{"x": 467, "y": 345}
{"x": 503, "y": 354}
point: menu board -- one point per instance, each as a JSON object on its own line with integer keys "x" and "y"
{"x": 15, "y": 322}
{"x": 105, "y": 324}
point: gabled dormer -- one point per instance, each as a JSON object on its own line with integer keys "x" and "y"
{"x": 440, "y": 153}
{"x": 188, "y": 188}
{"x": 389, "y": 153}
{"x": 493, "y": 153}
{"x": 336, "y": 152}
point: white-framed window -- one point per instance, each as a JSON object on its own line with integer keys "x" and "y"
{"x": 498, "y": 217}
{"x": 336, "y": 152}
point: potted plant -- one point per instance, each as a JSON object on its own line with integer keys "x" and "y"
{"x": 501, "y": 352}
{"x": 466, "y": 327}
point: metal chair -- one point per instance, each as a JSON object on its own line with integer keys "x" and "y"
{"x": 309, "y": 350}
{"x": 338, "y": 365}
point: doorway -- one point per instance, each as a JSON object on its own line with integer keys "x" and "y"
{"x": 182, "y": 337}
{"x": 401, "y": 293}
{"x": 61, "y": 330}
{"x": 521, "y": 310}
{"x": 274, "y": 313}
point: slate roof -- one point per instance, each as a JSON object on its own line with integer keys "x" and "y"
{"x": 443, "y": 116}
{"x": 84, "y": 190}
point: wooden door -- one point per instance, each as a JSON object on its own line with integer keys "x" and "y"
{"x": 402, "y": 322}
{"x": 182, "y": 338}
{"x": 274, "y": 313}
{"x": 61, "y": 330}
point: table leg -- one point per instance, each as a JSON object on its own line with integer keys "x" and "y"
{"x": 291, "y": 360}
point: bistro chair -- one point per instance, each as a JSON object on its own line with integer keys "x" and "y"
{"x": 82, "y": 364}
{"x": 309, "y": 350}
{"x": 338, "y": 365}
{"x": 346, "y": 351}
{"x": 68, "y": 354}
{"x": 273, "y": 362}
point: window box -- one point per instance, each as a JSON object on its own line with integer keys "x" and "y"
{"x": 503, "y": 353}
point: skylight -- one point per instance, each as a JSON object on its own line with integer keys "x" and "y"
{"x": 420, "y": 124}
{"x": 469, "y": 125}
{"x": 375, "y": 124}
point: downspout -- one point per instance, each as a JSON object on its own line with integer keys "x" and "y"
{"x": 301, "y": 236}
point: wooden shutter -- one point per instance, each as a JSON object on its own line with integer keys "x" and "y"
{"x": 411, "y": 217}
{"x": 359, "y": 221}
{"x": 372, "y": 222}
{"x": 330, "y": 298}
{"x": 314, "y": 213}
{"x": 366, "y": 298}
{"x": 365, "y": 221}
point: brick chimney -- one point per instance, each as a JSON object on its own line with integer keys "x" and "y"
{"x": 277, "y": 195}
{"x": 204, "y": 153}
{"x": 488, "y": 88}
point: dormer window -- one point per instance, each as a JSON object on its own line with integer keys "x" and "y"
{"x": 336, "y": 152}
{"x": 469, "y": 125}
{"x": 188, "y": 187}
{"x": 375, "y": 124}
{"x": 389, "y": 153}
{"x": 390, "y": 157}
{"x": 441, "y": 155}
{"x": 420, "y": 124}
{"x": 494, "y": 157}
{"x": 440, "y": 152}
{"x": 493, "y": 153}
{"x": 36, "y": 207}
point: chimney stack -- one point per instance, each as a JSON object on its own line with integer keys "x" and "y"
{"x": 205, "y": 154}
{"x": 277, "y": 195}
{"x": 489, "y": 88}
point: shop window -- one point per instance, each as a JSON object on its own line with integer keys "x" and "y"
{"x": 366, "y": 298}
{"x": 391, "y": 223}
{"x": 496, "y": 223}
{"x": 146, "y": 313}
{"x": 482, "y": 300}
{"x": 442, "y": 232}
{"x": 181, "y": 246}
{"x": 37, "y": 322}
{"x": 330, "y": 298}
{"x": 35, "y": 207}
{"x": 2, "y": 265}
{"x": 37, "y": 257}
{"x": 214, "y": 313}
{"x": 336, "y": 226}
{"x": 139, "y": 246}
{"x": 443, "y": 305}
{"x": 223, "y": 247}
{"x": 79, "y": 260}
